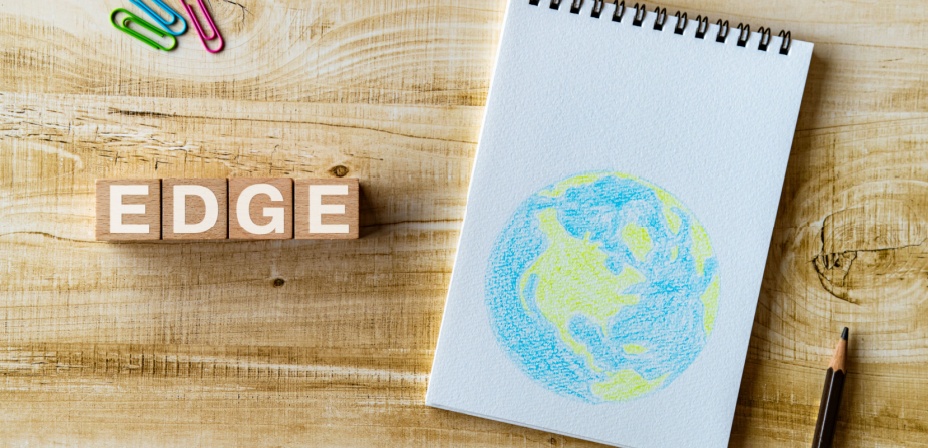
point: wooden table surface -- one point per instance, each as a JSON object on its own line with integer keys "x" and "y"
{"x": 329, "y": 343}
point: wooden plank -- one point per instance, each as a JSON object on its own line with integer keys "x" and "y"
{"x": 329, "y": 343}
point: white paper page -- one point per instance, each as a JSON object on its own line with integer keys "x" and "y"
{"x": 709, "y": 123}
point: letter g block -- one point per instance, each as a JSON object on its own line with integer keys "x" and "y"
{"x": 260, "y": 209}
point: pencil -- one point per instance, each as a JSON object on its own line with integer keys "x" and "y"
{"x": 831, "y": 396}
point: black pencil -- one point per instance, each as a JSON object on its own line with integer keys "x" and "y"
{"x": 831, "y": 396}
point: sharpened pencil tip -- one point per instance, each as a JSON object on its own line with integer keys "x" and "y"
{"x": 844, "y": 334}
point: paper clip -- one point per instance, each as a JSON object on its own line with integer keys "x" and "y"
{"x": 209, "y": 19}
{"x": 173, "y": 16}
{"x": 132, "y": 18}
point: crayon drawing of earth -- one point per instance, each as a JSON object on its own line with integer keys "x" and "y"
{"x": 603, "y": 287}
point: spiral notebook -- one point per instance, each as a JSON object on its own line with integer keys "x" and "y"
{"x": 621, "y": 207}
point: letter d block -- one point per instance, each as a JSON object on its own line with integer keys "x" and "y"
{"x": 194, "y": 209}
{"x": 325, "y": 209}
{"x": 260, "y": 209}
{"x": 128, "y": 210}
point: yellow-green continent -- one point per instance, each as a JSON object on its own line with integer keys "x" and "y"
{"x": 572, "y": 279}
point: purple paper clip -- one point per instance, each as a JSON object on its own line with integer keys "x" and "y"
{"x": 209, "y": 19}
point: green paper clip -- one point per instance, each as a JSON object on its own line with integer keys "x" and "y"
{"x": 132, "y": 18}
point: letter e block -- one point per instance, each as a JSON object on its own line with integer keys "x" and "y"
{"x": 194, "y": 209}
{"x": 128, "y": 210}
{"x": 260, "y": 209}
{"x": 326, "y": 209}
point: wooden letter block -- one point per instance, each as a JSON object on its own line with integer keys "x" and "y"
{"x": 261, "y": 209}
{"x": 194, "y": 209}
{"x": 326, "y": 209}
{"x": 128, "y": 210}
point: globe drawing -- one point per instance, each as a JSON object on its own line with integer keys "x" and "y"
{"x": 603, "y": 287}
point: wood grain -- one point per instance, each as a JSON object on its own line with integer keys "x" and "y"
{"x": 329, "y": 343}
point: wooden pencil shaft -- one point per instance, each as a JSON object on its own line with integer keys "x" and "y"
{"x": 816, "y": 436}
{"x": 828, "y": 409}
{"x": 839, "y": 359}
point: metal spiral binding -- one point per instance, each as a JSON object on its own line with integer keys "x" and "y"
{"x": 619, "y": 12}
{"x": 723, "y": 31}
{"x": 744, "y": 33}
{"x": 661, "y": 18}
{"x": 681, "y": 20}
{"x": 744, "y": 30}
{"x": 640, "y": 14}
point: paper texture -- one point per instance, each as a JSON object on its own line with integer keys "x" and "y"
{"x": 621, "y": 206}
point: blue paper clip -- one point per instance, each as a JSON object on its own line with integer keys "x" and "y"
{"x": 173, "y": 16}
{"x": 132, "y": 18}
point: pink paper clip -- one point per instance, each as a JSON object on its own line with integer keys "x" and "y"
{"x": 209, "y": 19}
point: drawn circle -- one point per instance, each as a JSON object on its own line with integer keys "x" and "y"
{"x": 603, "y": 287}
